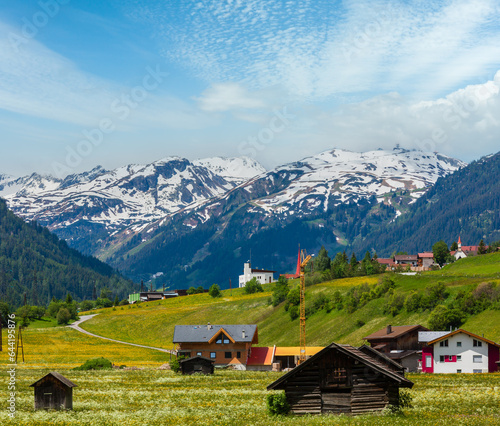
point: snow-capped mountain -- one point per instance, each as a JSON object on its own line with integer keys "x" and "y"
{"x": 330, "y": 178}
{"x": 237, "y": 169}
{"x": 128, "y": 197}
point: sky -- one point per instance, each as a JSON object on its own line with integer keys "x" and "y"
{"x": 86, "y": 83}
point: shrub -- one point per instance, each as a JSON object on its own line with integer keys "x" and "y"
{"x": 214, "y": 291}
{"x": 95, "y": 364}
{"x": 277, "y": 405}
{"x": 294, "y": 312}
{"x": 175, "y": 365}
{"x": 405, "y": 399}
{"x": 63, "y": 316}
{"x": 253, "y": 286}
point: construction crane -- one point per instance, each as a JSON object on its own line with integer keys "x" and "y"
{"x": 304, "y": 261}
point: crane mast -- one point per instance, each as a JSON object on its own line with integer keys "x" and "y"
{"x": 304, "y": 261}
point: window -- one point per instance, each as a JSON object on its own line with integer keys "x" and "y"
{"x": 227, "y": 355}
{"x": 459, "y": 344}
{"x": 477, "y": 371}
{"x": 212, "y": 355}
{"x": 477, "y": 358}
{"x": 428, "y": 361}
{"x": 459, "y": 371}
{"x": 222, "y": 338}
{"x": 441, "y": 358}
{"x": 443, "y": 343}
{"x": 198, "y": 353}
{"x": 238, "y": 354}
{"x": 459, "y": 357}
{"x": 477, "y": 343}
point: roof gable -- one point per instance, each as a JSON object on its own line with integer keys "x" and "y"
{"x": 223, "y": 333}
{"x": 348, "y": 351}
{"x": 475, "y": 336}
{"x": 241, "y": 333}
{"x": 57, "y": 376}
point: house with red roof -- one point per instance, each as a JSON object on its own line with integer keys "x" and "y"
{"x": 460, "y": 351}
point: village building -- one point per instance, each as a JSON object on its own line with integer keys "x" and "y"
{"x": 460, "y": 351}
{"x": 426, "y": 260}
{"x": 341, "y": 379}
{"x": 406, "y": 260}
{"x": 197, "y": 365}
{"x": 224, "y": 344}
{"x": 53, "y": 392}
{"x": 263, "y": 276}
{"x": 464, "y": 251}
{"x": 149, "y": 296}
{"x": 389, "y": 263}
{"x": 399, "y": 343}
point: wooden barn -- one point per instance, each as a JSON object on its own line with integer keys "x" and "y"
{"x": 197, "y": 364}
{"x": 341, "y": 379}
{"x": 53, "y": 392}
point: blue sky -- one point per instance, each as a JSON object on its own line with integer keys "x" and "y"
{"x": 84, "y": 83}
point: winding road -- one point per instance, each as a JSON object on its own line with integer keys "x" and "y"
{"x": 76, "y": 326}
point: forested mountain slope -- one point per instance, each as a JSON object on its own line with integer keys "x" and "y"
{"x": 35, "y": 263}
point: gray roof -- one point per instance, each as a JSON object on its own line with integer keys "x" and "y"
{"x": 428, "y": 336}
{"x": 203, "y": 333}
{"x": 59, "y": 377}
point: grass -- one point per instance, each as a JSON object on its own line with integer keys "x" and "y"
{"x": 151, "y": 397}
{"x": 63, "y": 347}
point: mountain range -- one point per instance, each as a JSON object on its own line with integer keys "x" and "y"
{"x": 198, "y": 221}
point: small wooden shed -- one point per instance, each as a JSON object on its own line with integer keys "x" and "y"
{"x": 341, "y": 379}
{"x": 53, "y": 391}
{"x": 197, "y": 364}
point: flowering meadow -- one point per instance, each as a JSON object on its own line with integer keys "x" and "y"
{"x": 154, "y": 397}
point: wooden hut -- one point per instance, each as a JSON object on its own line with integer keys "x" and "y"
{"x": 53, "y": 391}
{"x": 341, "y": 379}
{"x": 197, "y": 364}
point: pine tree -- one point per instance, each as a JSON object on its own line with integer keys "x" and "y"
{"x": 481, "y": 248}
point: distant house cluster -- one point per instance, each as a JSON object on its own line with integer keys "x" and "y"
{"x": 415, "y": 262}
{"x": 149, "y": 296}
{"x": 425, "y": 261}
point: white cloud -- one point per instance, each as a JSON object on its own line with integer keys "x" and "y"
{"x": 228, "y": 96}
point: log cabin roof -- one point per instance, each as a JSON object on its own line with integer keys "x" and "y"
{"x": 198, "y": 357}
{"x": 351, "y": 352}
{"x": 59, "y": 377}
{"x": 384, "y": 359}
{"x": 242, "y": 333}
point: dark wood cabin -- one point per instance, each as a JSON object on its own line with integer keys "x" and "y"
{"x": 53, "y": 392}
{"x": 341, "y": 379}
{"x": 197, "y": 364}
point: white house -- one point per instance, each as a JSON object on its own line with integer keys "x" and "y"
{"x": 460, "y": 351}
{"x": 263, "y": 276}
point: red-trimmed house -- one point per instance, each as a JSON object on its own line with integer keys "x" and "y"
{"x": 224, "y": 344}
{"x": 460, "y": 351}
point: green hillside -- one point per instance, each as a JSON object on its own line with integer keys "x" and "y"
{"x": 153, "y": 323}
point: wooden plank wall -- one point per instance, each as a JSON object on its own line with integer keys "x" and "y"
{"x": 303, "y": 392}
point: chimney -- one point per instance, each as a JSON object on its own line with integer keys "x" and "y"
{"x": 243, "y": 334}
{"x": 389, "y": 329}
